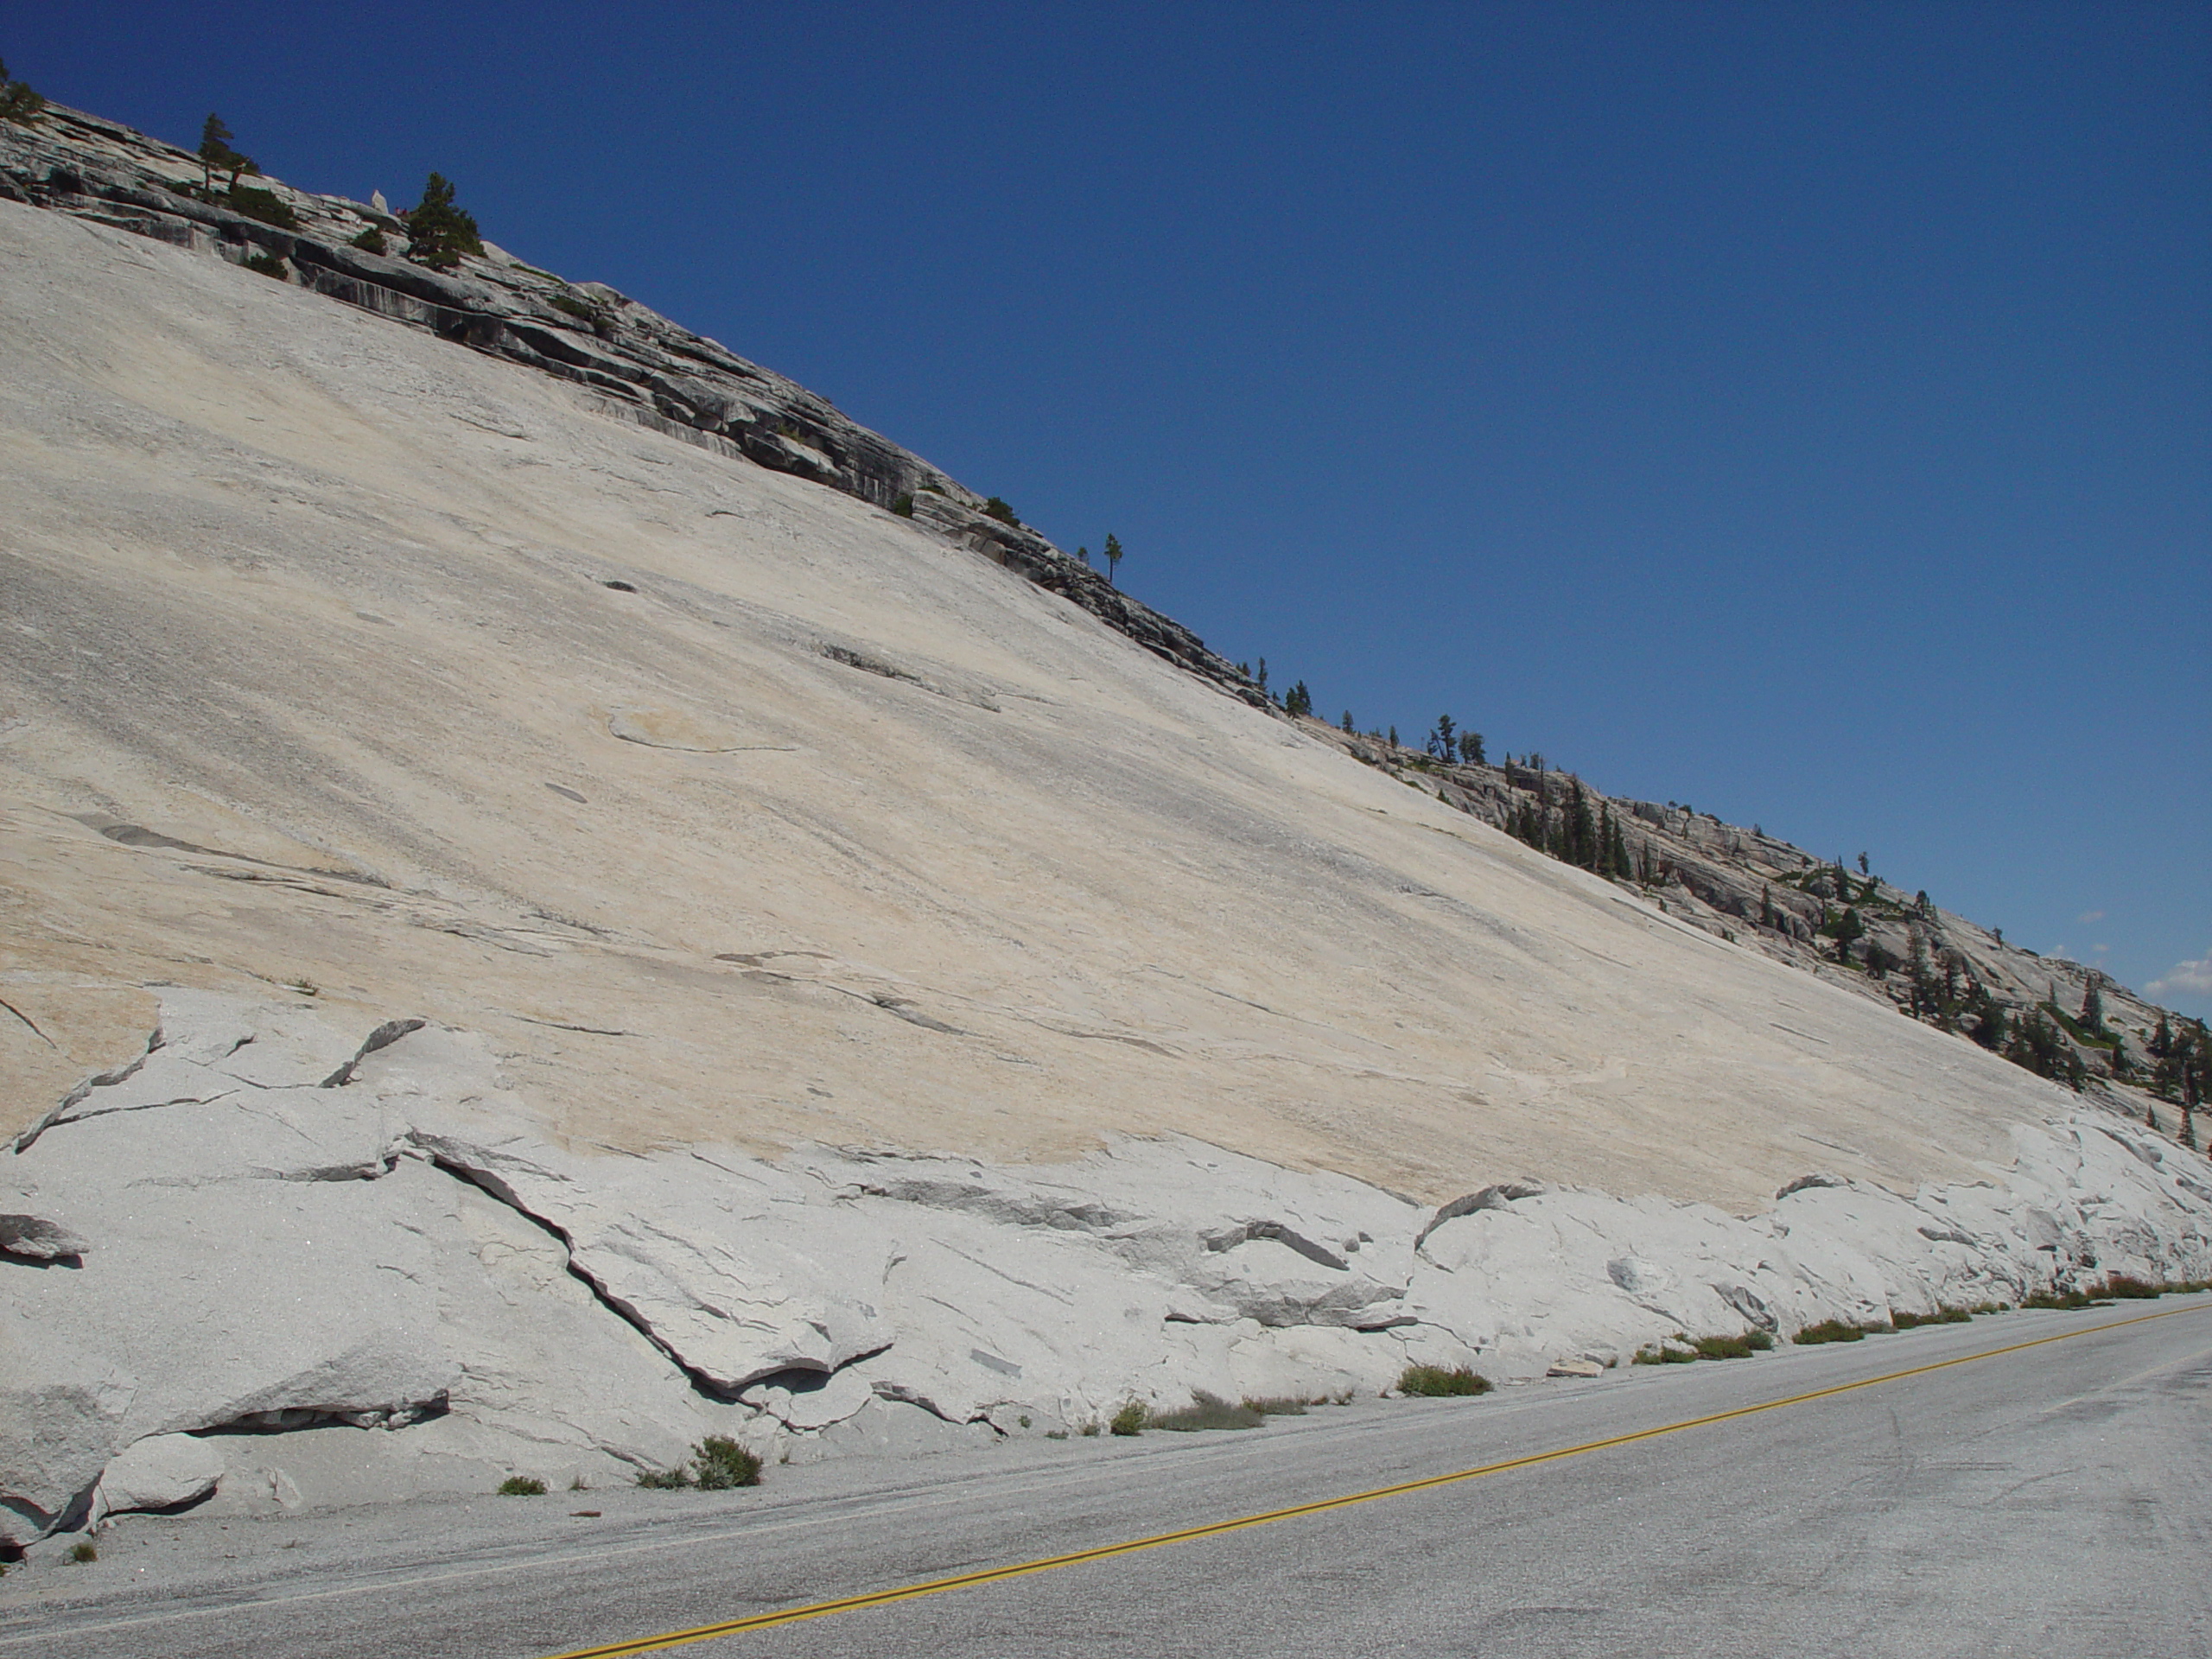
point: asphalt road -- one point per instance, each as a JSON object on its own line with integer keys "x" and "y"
{"x": 2056, "y": 1499}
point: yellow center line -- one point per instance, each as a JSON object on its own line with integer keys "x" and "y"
{"x": 1322, "y": 1506}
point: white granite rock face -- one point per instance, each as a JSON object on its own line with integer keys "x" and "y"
{"x": 344, "y": 1271}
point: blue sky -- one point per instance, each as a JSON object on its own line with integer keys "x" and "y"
{"x": 1800, "y": 410}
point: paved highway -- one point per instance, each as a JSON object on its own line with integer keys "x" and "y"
{"x": 2051, "y": 1499}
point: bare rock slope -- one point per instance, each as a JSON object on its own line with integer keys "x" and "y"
{"x": 637, "y": 942}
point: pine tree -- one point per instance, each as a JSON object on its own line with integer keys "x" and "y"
{"x": 1989, "y": 1021}
{"x": 1923, "y": 976}
{"x": 18, "y": 103}
{"x": 1581, "y": 828}
{"x": 1347, "y": 723}
{"x": 2093, "y": 1009}
{"x": 1849, "y": 929}
{"x": 1299, "y": 702}
{"x": 439, "y": 234}
{"x": 216, "y": 155}
{"x": 1442, "y": 744}
{"x": 1470, "y": 749}
{"x": 1113, "y": 557}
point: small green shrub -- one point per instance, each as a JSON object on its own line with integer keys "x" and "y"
{"x": 1434, "y": 1382}
{"x": 1055, "y": 1433}
{"x": 263, "y": 205}
{"x": 522, "y": 1486}
{"x": 1664, "y": 1353}
{"x": 1090, "y": 1430}
{"x": 723, "y": 1463}
{"x": 1830, "y": 1331}
{"x": 1742, "y": 1347}
{"x": 904, "y": 506}
{"x": 1130, "y": 1418}
{"x": 997, "y": 509}
{"x": 371, "y": 241}
{"x": 1279, "y": 1405}
{"x": 716, "y": 1464}
{"x": 83, "y": 1551}
{"x": 267, "y": 263}
{"x": 583, "y": 311}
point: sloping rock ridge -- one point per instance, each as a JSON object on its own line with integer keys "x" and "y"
{"x": 642, "y": 365}
{"x": 291, "y": 1285}
{"x": 1748, "y": 888}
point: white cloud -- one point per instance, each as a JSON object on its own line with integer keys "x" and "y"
{"x": 2195, "y": 977}
{"x": 2088, "y": 916}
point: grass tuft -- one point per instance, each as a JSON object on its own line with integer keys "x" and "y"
{"x": 1279, "y": 1405}
{"x": 1839, "y": 1330}
{"x": 1941, "y": 1316}
{"x": 2067, "y": 1299}
{"x": 1434, "y": 1382}
{"x": 1682, "y": 1349}
{"x": 2126, "y": 1287}
{"x": 1205, "y": 1411}
{"x": 522, "y": 1486}
{"x": 83, "y": 1551}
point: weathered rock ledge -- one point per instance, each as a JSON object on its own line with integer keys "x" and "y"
{"x": 306, "y": 1268}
